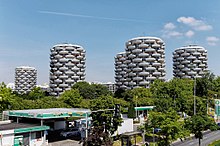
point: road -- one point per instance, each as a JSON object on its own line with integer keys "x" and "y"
{"x": 208, "y": 137}
{"x": 67, "y": 142}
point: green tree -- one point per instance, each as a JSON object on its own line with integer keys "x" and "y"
{"x": 36, "y": 93}
{"x": 204, "y": 84}
{"x": 170, "y": 125}
{"x": 104, "y": 125}
{"x": 141, "y": 96}
{"x": 85, "y": 90}
{"x": 5, "y": 97}
{"x": 71, "y": 97}
{"x": 131, "y": 111}
{"x": 198, "y": 123}
{"x": 102, "y": 102}
{"x": 91, "y": 91}
{"x": 119, "y": 93}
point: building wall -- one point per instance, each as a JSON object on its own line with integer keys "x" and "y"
{"x": 25, "y": 79}
{"x": 190, "y": 62}
{"x": 145, "y": 62}
{"x": 7, "y": 137}
{"x": 121, "y": 70}
{"x": 59, "y": 125}
{"x": 67, "y": 66}
{"x": 38, "y": 141}
{"x": 111, "y": 86}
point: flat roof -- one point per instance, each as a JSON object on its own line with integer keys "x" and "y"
{"x": 142, "y": 108}
{"x": 49, "y": 113}
{"x": 127, "y": 134}
{"x": 22, "y": 127}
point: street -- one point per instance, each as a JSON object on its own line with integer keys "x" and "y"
{"x": 207, "y": 139}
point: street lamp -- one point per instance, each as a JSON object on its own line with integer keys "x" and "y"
{"x": 136, "y": 106}
{"x": 153, "y": 137}
{"x": 195, "y": 96}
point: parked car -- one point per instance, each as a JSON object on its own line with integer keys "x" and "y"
{"x": 156, "y": 130}
{"x": 70, "y": 132}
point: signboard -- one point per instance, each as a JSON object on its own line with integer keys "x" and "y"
{"x": 217, "y": 107}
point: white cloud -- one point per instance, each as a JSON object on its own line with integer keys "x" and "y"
{"x": 198, "y": 25}
{"x": 169, "y": 26}
{"x": 212, "y": 40}
{"x": 189, "y": 33}
{"x": 169, "y": 34}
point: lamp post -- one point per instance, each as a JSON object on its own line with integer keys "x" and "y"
{"x": 153, "y": 138}
{"x": 195, "y": 96}
{"x": 136, "y": 106}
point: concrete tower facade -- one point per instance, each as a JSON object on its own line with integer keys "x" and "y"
{"x": 190, "y": 62}
{"x": 25, "y": 79}
{"x": 144, "y": 61}
{"x": 67, "y": 67}
{"x": 121, "y": 70}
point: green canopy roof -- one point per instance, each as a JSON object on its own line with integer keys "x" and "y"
{"x": 142, "y": 108}
{"x": 50, "y": 113}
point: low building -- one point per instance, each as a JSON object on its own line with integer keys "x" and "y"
{"x": 54, "y": 117}
{"x": 19, "y": 134}
{"x": 111, "y": 86}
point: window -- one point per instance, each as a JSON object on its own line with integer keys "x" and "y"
{"x": 38, "y": 134}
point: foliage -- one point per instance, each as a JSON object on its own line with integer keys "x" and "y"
{"x": 36, "y": 93}
{"x": 119, "y": 93}
{"x": 204, "y": 84}
{"x": 170, "y": 125}
{"x": 71, "y": 97}
{"x": 131, "y": 111}
{"x": 198, "y": 123}
{"x": 124, "y": 104}
{"x": 85, "y": 90}
{"x": 102, "y": 102}
{"x": 104, "y": 125}
{"x": 91, "y": 91}
{"x": 176, "y": 93}
{"x": 5, "y": 97}
{"x": 215, "y": 143}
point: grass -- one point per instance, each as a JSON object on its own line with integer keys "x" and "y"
{"x": 138, "y": 139}
{"x": 215, "y": 143}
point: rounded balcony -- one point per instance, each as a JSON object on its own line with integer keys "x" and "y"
{"x": 144, "y": 64}
{"x": 131, "y": 47}
{"x": 136, "y": 60}
{"x": 143, "y": 55}
{"x": 156, "y": 46}
{"x": 143, "y": 46}
{"x": 149, "y": 41}
{"x": 137, "y": 69}
{"x": 149, "y": 50}
{"x": 150, "y": 68}
{"x": 143, "y": 83}
{"x": 136, "y": 51}
{"x": 157, "y": 73}
{"x": 150, "y": 78}
{"x": 150, "y": 59}
{"x": 137, "y": 78}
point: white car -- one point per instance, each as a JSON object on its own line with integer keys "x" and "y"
{"x": 70, "y": 132}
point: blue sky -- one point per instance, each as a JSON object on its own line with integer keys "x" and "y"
{"x": 28, "y": 29}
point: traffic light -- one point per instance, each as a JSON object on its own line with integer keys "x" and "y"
{"x": 117, "y": 110}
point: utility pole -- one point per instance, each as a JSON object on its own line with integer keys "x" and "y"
{"x": 136, "y": 106}
{"x": 195, "y": 96}
{"x": 153, "y": 138}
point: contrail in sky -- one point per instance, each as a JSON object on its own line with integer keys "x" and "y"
{"x": 91, "y": 17}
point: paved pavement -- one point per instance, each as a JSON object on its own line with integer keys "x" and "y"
{"x": 208, "y": 138}
{"x": 67, "y": 142}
